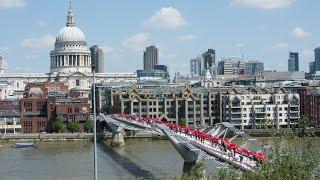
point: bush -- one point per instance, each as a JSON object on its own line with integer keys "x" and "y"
{"x": 73, "y": 127}
{"x": 88, "y": 125}
{"x": 57, "y": 125}
{"x": 182, "y": 121}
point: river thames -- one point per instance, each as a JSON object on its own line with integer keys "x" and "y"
{"x": 147, "y": 158}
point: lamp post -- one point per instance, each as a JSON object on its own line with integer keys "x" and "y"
{"x": 94, "y": 124}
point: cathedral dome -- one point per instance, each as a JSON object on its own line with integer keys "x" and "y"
{"x": 70, "y": 33}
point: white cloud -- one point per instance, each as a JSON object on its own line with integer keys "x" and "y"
{"x": 239, "y": 45}
{"x": 137, "y": 42}
{"x": 41, "y": 24}
{"x": 262, "y": 4}
{"x": 298, "y": 32}
{"x": 7, "y": 4}
{"x": 165, "y": 18}
{"x": 107, "y": 49}
{"x": 36, "y": 43}
{"x": 187, "y": 37}
{"x": 308, "y": 54}
{"x": 281, "y": 45}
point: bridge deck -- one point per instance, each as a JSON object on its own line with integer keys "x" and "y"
{"x": 212, "y": 149}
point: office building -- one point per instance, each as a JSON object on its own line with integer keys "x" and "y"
{"x": 317, "y": 58}
{"x": 293, "y": 62}
{"x": 312, "y": 67}
{"x": 209, "y": 58}
{"x": 161, "y": 67}
{"x": 231, "y": 66}
{"x": 9, "y": 116}
{"x": 150, "y": 57}
{"x": 195, "y": 67}
{"x": 97, "y": 59}
{"x": 254, "y": 67}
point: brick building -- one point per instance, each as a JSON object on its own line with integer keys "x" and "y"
{"x": 69, "y": 110}
{"x": 44, "y": 102}
{"x": 310, "y": 104}
{"x": 33, "y": 108}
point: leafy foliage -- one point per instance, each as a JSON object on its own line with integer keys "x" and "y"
{"x": 57, "y": 125}
{"x": 182, "y": 121}
{"x": 197, "y": 172}
{"x": 293, "y": 158}
{"x": 73, "y": 127}
{"x": 88, "y": 126}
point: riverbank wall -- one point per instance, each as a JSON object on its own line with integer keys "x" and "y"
{"x": 66, "y": 136}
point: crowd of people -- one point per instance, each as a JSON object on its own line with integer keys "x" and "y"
{"x": 222, "y": 143}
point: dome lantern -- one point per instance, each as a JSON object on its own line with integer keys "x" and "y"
{"x": 70, "y": 17}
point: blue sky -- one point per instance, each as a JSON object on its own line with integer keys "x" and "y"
{"x": 263, "y": 30}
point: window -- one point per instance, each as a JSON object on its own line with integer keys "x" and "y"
{"x": 280, "y": 108}
{"x": 77, "y": 82}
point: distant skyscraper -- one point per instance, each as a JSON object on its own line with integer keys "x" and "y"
{"x": 150, "y": 57}
{"x": 2, "y": 65}
{"x": 254, "y": 67}
{"x": 97, "y": 59}
{"x": 228, "y": 66}
{"x": 293, "y": 62}
{"x": 195, "y": 66}
{"x": 312, "y": 67}
{"x": 317, "y": 58}
{"x": 209, "y": 58}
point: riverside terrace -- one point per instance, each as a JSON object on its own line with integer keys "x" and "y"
{"x": 193, "y": 144}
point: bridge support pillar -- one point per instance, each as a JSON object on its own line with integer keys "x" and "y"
{"x": 117, "y": 139}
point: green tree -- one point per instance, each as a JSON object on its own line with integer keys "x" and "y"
{"x": 73, "y": 127}
{"x": 88, "y": 125}
{"x": 182, "y": 121}
{"x": 57, "y": 125}
{"x": 197, "y": 172}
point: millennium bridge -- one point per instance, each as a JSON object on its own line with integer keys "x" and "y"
{"x": 221, "y": 145}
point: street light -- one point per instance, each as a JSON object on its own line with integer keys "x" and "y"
{"x": 94, "y": 124}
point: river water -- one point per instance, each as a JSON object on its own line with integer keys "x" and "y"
{"x": 150, "y": 159}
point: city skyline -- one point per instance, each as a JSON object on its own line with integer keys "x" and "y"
{"x": 174, "y": 27}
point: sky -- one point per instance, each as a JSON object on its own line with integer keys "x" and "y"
{"x": 265, "y": 30}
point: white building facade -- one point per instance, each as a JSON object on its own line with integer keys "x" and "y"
{"x": 260, "y": 108}
{"x": 70, "y": 62}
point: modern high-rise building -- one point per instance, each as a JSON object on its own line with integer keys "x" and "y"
{"x": 2, "y": 65}
{"x": 150, "y": 57}
{"x": 195, "y": 66}
{"x": 317, "y": 58}
{"x": 97, "y": 59}
{"x": 232, "y": 65}
{"x": 254, "y": 67}
{"x": 312, "y": 67}
{"x": 209, "y": 58}
{"x": 293, "y": 62}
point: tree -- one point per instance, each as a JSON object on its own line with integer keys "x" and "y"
{"x": 88, "y": 125}
{"x": 73, "y": 127}
{"x": 57, "y": 125}
{"x": 182, "y": 121}
{"x": 303, "y": 123}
